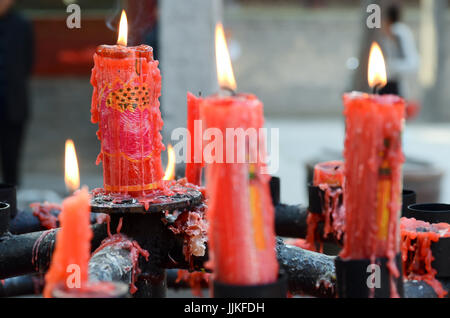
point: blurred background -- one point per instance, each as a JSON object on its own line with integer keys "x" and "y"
{"x": 297, "y": 56}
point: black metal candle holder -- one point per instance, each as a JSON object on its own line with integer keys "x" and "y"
{"x": 408, "y": 197}
{"x": 435, "y": 213}
{"x": 352, "y": 278}
{"x": 5, "y": 216}
{"x": 277, "y": 289}
{"x": 8, "y": 195}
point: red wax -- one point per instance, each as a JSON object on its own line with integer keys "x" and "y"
{"x": 73, "y": 243}
{"x": 373, "y": 176}
{"x": 417, "y": 237}
{"x": 194, "y": 143}
{"x": 240, "y": 213}
{"x": 127, "y": 85}
{"x": 329, "y": 177}
{"x": 330, "y": 172}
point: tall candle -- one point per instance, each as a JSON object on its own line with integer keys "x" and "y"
{"x": 194, "y": 148}
{"x": 127, "y": 85}
{"x": 241, "y": 234}
{"x": 240, "y": 211}
{"x": 373, "y": 175}
{"x": 73, "y": 244}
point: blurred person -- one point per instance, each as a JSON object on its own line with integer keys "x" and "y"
{"x": 16, "y": 60}
{"x": 400, "y": 52}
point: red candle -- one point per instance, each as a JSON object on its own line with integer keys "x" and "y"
{"x": 373, "y": 170}
{"x": 73, "y": 245}
{"x": 329, "y": 177}
{"x": 194, "y": 147}
{"x": 330, "y": 173}
{"x": 240, "y": 213}
{"x": 127, "y": 85}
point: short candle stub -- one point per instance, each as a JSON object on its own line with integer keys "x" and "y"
{"x": 277, "y": 289}
{"x": 352, "y": 277}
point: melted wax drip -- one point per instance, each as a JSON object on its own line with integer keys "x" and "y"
{"x": 417, "y": 237}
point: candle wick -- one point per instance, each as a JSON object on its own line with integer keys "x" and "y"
{"x": 376, "y": 89}
{"x": 226, "y": 91}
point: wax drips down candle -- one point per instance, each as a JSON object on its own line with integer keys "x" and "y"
{"x": 373, "y": 172}
{"x": 127, "y": 85}
{"x": 240, "y": 211}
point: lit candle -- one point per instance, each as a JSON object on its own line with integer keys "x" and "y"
{"x": 373, "y": 170}
{"x": 127, "y": 85}
{"x": 69, "y": 265}
{"x": 240, "y": 213}
{"x": 72, "y": 172}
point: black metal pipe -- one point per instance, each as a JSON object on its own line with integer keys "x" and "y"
{"x": 309, "y": 273}
{"x": 25, "y": 222}
{"x": 31, "y": 252}
{"x": 420, "y": 289}
{"x": 111, "y": 263}
{"x": 31, "y": 284}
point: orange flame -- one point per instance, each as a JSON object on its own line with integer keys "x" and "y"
{"x": 170, "y": 169}
{"x": 376, "y": 75}
{"x": 72, "y": 173}
{"x": 123, "y": 29}
{"x": 225, "y": 74}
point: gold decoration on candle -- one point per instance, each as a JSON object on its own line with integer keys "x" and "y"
{"x": 72, "y": 173}
{"x": 123, "y": 29}
{"x": 225, "y": 74}
{"x": 376, "y": 74}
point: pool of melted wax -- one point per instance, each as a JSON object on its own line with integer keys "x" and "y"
{"x": 122, "y": 241}
{"x": 164, "y": 191}
{"x": 45, "y": 213}
{"x": 417, "y": 237}
{"x": 193, "y": 226}
{"x": 195, "y": 280}
{"x": 333, "y": 217}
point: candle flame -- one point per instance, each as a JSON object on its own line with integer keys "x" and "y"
{"x": 72, "y": 174}
{"x": 170, "y": 169}
{"x": 376, "y": 74}
{"x": 123, "y": 29}
{"x": 225, "y": 74}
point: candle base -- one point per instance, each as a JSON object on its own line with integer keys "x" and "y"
{"x": 277, "y": 289}
{"x": 354, "y": 278}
